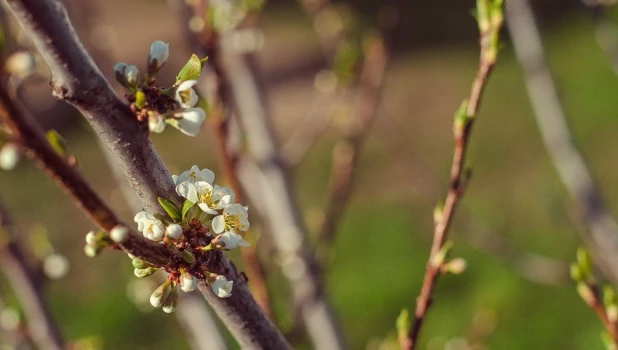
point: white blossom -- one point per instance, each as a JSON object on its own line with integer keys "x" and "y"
{"x": 91, "y": 238}
{"x": 173, "y": 231}
{"x": 21, "y": 63}
{"x": 222, "y": 287}
{"x": 231, "y": 240}
{"x": 208, "y": 198}
{"x": 160, "y": 295}
{"x": 188, "y": 121}
{"x": 156, "y": 122}
{"x": 151, "y": 227}
{"x": 234, "y": 217}
{"x": 130, "y": 74}
{"x": 188, "y": 282}
{"x": 9, "y": 156}
{"x": 159, "y": 53}
{"x": 185, "y": 95}
{"x": 194, "y": 175}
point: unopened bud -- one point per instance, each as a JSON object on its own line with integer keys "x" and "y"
{"x": 160, "y": 294}
{"x": 140, "y": 264}
{"x": 92, "y": 251}
{"x": 586, "y": 293}
{"x": 119, "y": 69}
{"x": 188, "y": 282}
{"x": 159, "y": 53}
{"x": 174, "y": 231}
{"x": 91, "y": 238}
{"x": 171, "y": 301}
{"x": 456, "y": 266}
{"x": 55, "y": 266}
{"x": 119, "y": 233}
{"x": 131, "y": 73}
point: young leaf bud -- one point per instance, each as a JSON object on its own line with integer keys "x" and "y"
{"x": 142, "y": 273}
{"x": 140, "y": 264}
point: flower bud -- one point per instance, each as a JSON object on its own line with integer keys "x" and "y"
{"x": 188, "y": 282}
{"x": 91, "y": 238}
{"x": 92, "y": 251}
{"x": 131, "y": 74}
{"x": 172, "y": 300}
{"x": 21, "y": 64}
{"x": 9, "y": 156}
{"x": 159, "y": 53}
{"x": 139, "y": 263}
{"x": 160, "y": 294}
{"x": 173, "y": 231}
{"x": 119, "y": 233}
{"x": 119, "y": 69}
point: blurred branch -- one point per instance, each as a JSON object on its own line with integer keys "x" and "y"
{"x": 605, "y": 30}
{"x": 76, "y": 80}
{"x": 601, "y": 233}
{"x": 237, "y": 72}
{"x": 41, "y": 326}
{"x": 489, "y": 18}
{"x": 346, "y": 153}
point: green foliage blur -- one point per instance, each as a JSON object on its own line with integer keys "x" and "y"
{"x": 515, "y": 226}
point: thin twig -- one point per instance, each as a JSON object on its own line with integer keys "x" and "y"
{"x": 605, "y": 30}
{"x": 601, "y": 229}
{"x": 13, "y": 260}
{"x": 79, "y": 82}
{"x": 461, "y": 131}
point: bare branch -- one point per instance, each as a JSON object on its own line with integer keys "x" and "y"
{"x": 601, "y": 232}
{"x": 13, "y": 260}
{"x": 79, "y": 82}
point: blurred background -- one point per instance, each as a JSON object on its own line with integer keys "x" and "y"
{"x": 515, "y": 227}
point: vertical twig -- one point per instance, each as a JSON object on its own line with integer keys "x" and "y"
{"x": 13, "y": 260}
{"x": 605, "y": 31}
{"x": 601, "y": 232}
{"x": 489, "y": 18}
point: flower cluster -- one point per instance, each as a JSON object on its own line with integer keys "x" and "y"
{"x": 208, "y": 220}
{"x": 159, "y": 106}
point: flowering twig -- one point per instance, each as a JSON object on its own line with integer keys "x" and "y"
{"x": 601, "y": 229}
{"x": 204, "y": 43}
{"x": 237, "y": 72}
{"x": 490, "y": 19}
{"x": 25, "y": 282}
{"x": 79, "y": 82}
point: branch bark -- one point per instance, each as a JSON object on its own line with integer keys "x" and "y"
{"x": 601, "y": 229}
{"x": 42, "y": 328}
{"x": 77, "y": 81}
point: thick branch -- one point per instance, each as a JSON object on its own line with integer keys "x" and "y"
{"x": 78, "y": 81}
{"x": 601, "y": 228}
{"x": 42, "y": 328}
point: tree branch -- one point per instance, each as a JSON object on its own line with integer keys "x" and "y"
{"x": 601, "y": 233}
{"x": 42, "y": 328}
{"x": 464, "y": 120}
{"x": 79, "y": 82}
{"x": 237, "y": 72}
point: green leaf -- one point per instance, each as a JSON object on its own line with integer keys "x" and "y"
{"x": 191, "y": 70}
{"x": 185, "y": 208}
{"x": 170, "y": 208}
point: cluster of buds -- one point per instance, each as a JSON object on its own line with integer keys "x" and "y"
{"x": 208, "y": 220}
{"x": 159, "y": 106}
